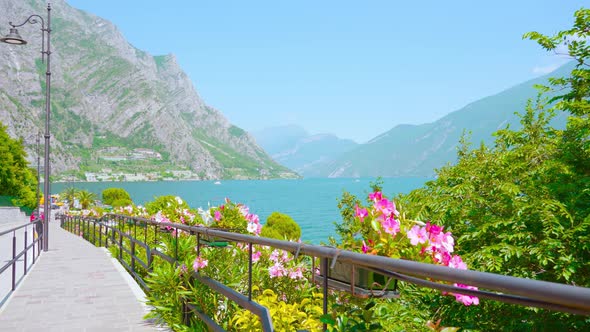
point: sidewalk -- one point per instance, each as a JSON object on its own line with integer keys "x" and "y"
{"x": 75, "y": 287}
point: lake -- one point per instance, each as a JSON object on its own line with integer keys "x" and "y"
{"x": 312, "y": 203}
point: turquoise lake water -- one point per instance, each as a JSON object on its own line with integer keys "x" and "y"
{"x": 312, "y": 203}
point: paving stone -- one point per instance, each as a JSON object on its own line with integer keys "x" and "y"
{"x": 74, "y": 287}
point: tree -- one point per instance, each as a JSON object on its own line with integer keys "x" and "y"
{"x": 522, "y": 207}
{"x": 16, "y": 178}
{"x": 86, "y": 198}
{"x": 118, "y": 195}
{"x": 281, "y": 226}
{"x": 573, "y": 95}
{"x": 70, "y": 194}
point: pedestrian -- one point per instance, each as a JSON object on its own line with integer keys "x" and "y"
{"x": 39, "y": 225}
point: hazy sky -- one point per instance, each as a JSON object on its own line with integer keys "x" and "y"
{"x": 352, "y": 68}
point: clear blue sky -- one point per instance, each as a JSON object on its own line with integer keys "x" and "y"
{"x": 352, "y": 68}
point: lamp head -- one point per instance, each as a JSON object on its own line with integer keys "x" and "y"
{"x": 13, "y": 38}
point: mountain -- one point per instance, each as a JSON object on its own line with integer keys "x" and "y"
{"x": 293, "y": 147}
{"x": 417, "y": 150}
{"x": 115, "y": 106}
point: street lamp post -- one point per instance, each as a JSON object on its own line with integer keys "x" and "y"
{"x": 15, "y": 39}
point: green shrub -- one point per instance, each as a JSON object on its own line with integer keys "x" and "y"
{"x": 111, "y": 195}
{"x": 281, "y": 226}
{"x": 121, "y": 202}
{"x": 167, "y": 204}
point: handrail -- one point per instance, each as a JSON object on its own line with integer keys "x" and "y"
{"x": 15, "y": 229}
{"x": 17, "y": 256}
{"x": 568, "y": 296}
{"x": 521, "y": 291}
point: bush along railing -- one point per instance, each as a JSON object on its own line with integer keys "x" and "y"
{"x": 28, "y": 230}
{"x": 159, "y": 255}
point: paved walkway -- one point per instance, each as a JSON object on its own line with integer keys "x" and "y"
{"x": 75, "y": 287}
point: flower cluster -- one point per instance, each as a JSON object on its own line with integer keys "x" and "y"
{"x": 439, "y": 245}
{"x": 235, "y": 217}
{"x": 383, "y": 234}
{"x": 281, "y": 268}
{"x": 199, "y": 263}
{"x": 133, "y": 210}
{"x": 171, "y": 209}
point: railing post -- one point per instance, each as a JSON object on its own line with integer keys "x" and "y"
{"x": 176, "y": 246}
{"x": 120, "y": 245}
{"x": 39, "y": 240}
{"x": 13, "y": 260}
{"x": 40, "y": 236}
{"x": 185, "y": 319}
{"x": 99, "y": 234}
{"x": 249, "y": 271}
{"x": 133, "y": 257}
{"x": 113, "y": 234}
{"x": 150, "y": 258}
{"x": 93, "y": 232}
{"x": 324, "y": 269}
{"x": 156, "y": 236}
{"x": 25, "y": 249}
{"x": 106, "y": 236}
{"x": 33, "y": 243}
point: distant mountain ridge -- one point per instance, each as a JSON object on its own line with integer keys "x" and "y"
{"x": 417, "y": 150}
{"x": 107, "y": 93}
{"x": 293, "y": 147}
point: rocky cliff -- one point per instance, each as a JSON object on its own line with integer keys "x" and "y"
{"x": 107, "y": 93}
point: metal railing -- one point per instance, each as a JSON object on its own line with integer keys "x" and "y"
{"x": 520, "y": 291}
{"x": 16, "y": 256}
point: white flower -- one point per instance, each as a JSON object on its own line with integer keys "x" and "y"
{"x": 252, "y": 227}
{"x": 206, "y": 216}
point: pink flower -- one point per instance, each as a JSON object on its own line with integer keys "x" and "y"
{"x": 457, "y": 263}
{"x": 376, "y": 196}
{"x": 442, "y": 241}
{"x": 386, "y": 207}
{"x": 199, "y": 263}
{"x": 183, "y": 269}
{"x": 447, "y": 241}
{"x": 217, "y": 215}
{"x": 277, "y": 270}
{"x": 296, "y": 273}
{"x": 417, "y": 235}
{"x": 441, "y": 257}
{"x": 433, "y": 229}
{"x": 365, "y": 248}
{"x": 285, "y": 257}
{"x": 244, "y": 210}
{"x": 274, "y": 256}
{"x": 361, "y": 213}
{"x": 466, "y": 299}
{"x": 253, "y": 218}
{"x": 390, "y": 225}
{"x": 256, "y": 256}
